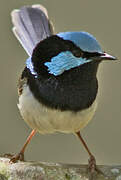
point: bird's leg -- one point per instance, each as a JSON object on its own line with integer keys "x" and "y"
{"x": 92, "y": 161}
{"x": 20, "y": 155}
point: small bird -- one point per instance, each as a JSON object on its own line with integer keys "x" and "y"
{"x": 58, "y": 86}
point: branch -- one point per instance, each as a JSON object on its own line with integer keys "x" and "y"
{"x": 53, "y": 171}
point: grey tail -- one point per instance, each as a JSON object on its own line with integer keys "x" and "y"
{"x": 31, "y": 25}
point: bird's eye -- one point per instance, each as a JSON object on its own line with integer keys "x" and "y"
{"x": 77, "y": 53}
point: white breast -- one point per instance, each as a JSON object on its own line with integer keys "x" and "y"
{"x": 46, "y": 120}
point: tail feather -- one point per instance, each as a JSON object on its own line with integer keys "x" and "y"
{"x": 31, "y": 25}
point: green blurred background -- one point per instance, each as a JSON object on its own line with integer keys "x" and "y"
{"x": 103, "y": 134}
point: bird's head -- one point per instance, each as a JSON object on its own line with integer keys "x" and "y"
{"x": 64, "y": 51}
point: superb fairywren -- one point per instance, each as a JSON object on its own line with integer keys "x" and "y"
{"x": 58, "y": 86}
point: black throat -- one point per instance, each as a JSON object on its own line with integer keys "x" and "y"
{"x": 73, "y": 90}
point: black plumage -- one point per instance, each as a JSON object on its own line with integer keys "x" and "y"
{"x": 74, "y": 90}
{"x": 52, "y": 102}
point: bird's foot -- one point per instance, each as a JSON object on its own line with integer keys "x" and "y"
{"x": 16, "y": 157}
{"x": 93, "y": 170}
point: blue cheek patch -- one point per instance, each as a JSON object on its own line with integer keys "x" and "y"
{"x": 60, "y": 63}
{"x": 63, "y": 62}
{"x": 30, "y": 66}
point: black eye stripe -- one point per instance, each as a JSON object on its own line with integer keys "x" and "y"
{"x": 78, "y": 52}
{"x": 89, "y": 55}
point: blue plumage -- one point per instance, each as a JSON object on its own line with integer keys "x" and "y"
{"x": 63, "y": 62}
{"x": 66, "y": 60}
{"x": 84, "y": 40}
{"x": 66, "y": 103}
{"x": 30, "y": 66}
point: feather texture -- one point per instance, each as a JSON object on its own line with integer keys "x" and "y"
{"x": 63, "y": 62}
{"x": 84, "y": 40}
{"x": 31, "y": 25}
{"x": 46, "y": 120}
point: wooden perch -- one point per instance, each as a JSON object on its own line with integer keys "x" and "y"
{"x": 53, "y": 171}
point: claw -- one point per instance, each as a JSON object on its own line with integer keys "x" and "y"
{"x": 19, "y": 156}
{"x": 93, "y": 170}
{"x": 92, "y": 164}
